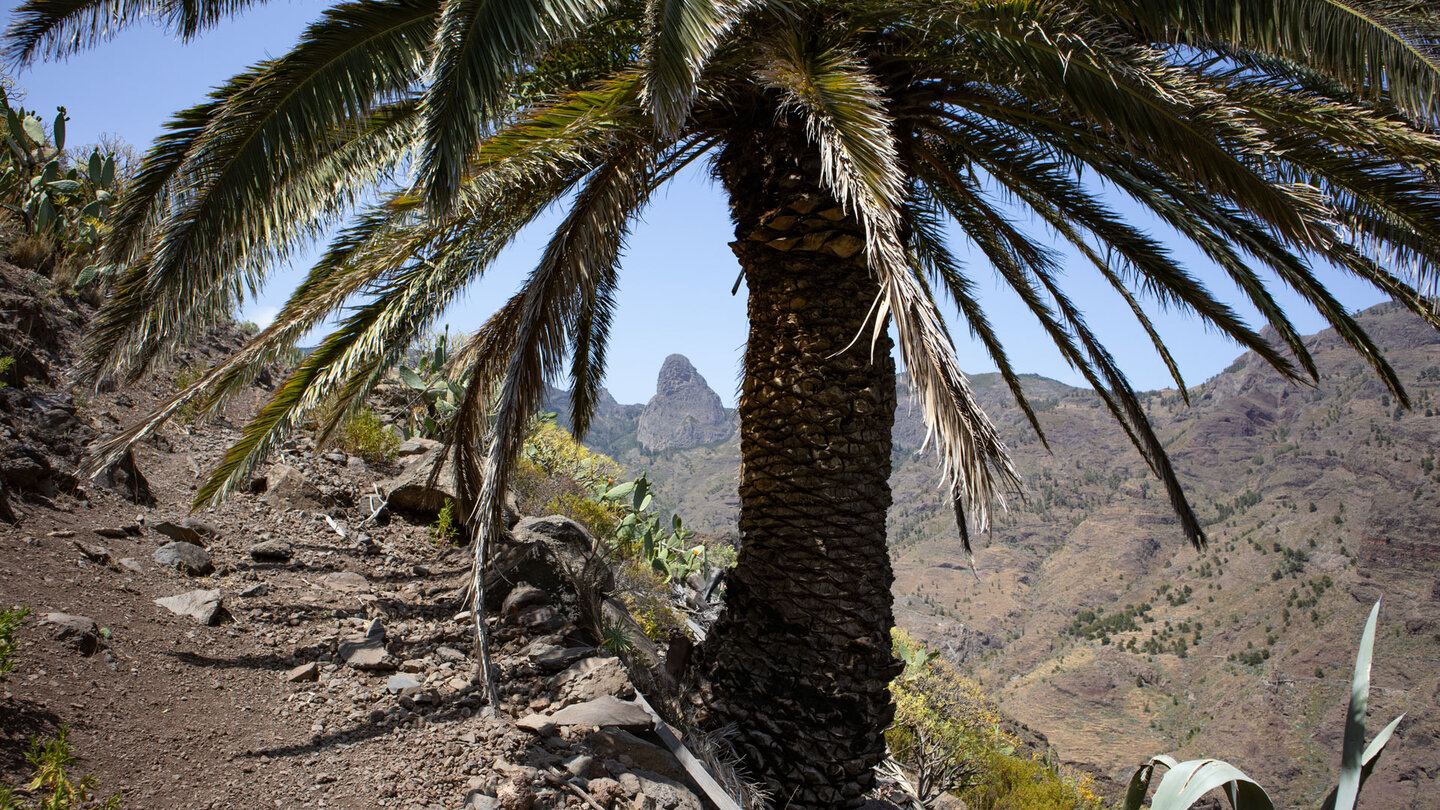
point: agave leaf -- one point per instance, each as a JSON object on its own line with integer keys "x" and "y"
{"x": 1368, "y": 762}
{"x": 1352, "y": 758}
{"x": 1187, "y": 782}
{"x": 1139, "y": 786}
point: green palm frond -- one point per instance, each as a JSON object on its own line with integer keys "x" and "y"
{"x": 931, "y": 254}
{"x": 144, "y": 202}
{"x": 335, "y": 278}
{"x": 58, "y": 28}
{"x": 1381, "y": 50}
{"x": 479, "y": 47}
{"x": 241, "y": 207}
{"x": 577, "y": 264}
{"x": 683, "y": 35}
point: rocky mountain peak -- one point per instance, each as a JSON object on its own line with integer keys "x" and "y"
{"x": 684, "y": 412}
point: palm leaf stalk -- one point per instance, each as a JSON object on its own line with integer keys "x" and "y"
{"x": 857, "y": 139}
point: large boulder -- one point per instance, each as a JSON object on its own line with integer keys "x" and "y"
{"x": 412, "y": 490}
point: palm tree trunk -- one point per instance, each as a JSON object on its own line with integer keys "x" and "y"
{"x": 800, "y": 658}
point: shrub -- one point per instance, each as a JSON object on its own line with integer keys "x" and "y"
{"x": 187, "y": 376}
{"x": 52, "y": 783}
{"x": 364, "y": 435}
{"x": 1016, "y": 783}
{"x": 950, "y": 734}
{"x": 645, "y": 592}
{"x": 945, "y": 727}
{"x": 444, "y": 530}
{"x": 10, "y": 620}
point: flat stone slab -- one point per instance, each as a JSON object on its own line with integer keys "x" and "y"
{"x": 551, "y": 658}
{"x": 604, "y": 712}
{"x": 304, "y": 672}
{"x": 188, "y": 530}
{"x": 187, "y": 557}
{"x": 398, "y": 684}
{"x": 272, "y": 551}
{"x": 367, "y": 650}
{"x": 205, "y": 607}
{"x": 345, "y": 581}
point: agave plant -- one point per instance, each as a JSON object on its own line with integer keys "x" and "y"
{"x": 1185, "y": 783}
{"x": 854, "y": 140}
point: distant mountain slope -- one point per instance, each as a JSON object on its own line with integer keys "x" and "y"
{"x": 1319, "y": 501}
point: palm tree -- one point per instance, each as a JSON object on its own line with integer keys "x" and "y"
{"x": 854, "y": 139}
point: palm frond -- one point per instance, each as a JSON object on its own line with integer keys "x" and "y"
{"x": 479, "y": 45}
{"x": 1381, "y": 50}
{"x": 1028, "y": 271}
{"x": 54, "y": 29}
{"x": 931, "y": 254}
{"x": 335, "y": 278}
{"x": 682, "y": 36}
{"x": 253, "y": 182}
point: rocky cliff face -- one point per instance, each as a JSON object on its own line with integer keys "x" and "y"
{"x": 684, "y": 411}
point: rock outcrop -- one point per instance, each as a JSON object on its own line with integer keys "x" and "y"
{"x": 684, "y": 411}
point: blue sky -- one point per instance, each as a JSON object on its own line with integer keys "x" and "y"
{"x": 675, "y": 291}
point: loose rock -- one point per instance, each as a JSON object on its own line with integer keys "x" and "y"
{"x": 287, "y": 485}
{"x": 188, "y": 530}
{"x": 367, "y": 651}
{"x": 272, "y": 551}
{"x": 79, "y": 632}
{"x": 304, "y": 672}
{"x": 205, "y": 607}
{"x": 403, "y": 685}
{"x": 98, "y": 554}
{"x": 602, "y": 712}
{"x": 346, "y": 581}
{"x": 188, "y": 557}
{"x": 522, "y": 596}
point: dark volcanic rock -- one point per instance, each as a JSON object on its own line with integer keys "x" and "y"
{"x": 684, "y": 411}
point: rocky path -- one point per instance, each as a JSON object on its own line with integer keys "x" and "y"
{"x": 316, "y": 658}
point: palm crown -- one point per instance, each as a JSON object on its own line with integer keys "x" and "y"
{"x": 853, "y": 133}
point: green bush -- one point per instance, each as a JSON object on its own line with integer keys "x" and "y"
{"x": 951, "y": 735}
{"x": 51, "y": 783}
{"x": 6, "y": 363}
{"x": 10, "y": 620}
{"x": 444, "y": 530}
{"x": 364, "y": 435}
{"x": 1016, "y": 783}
